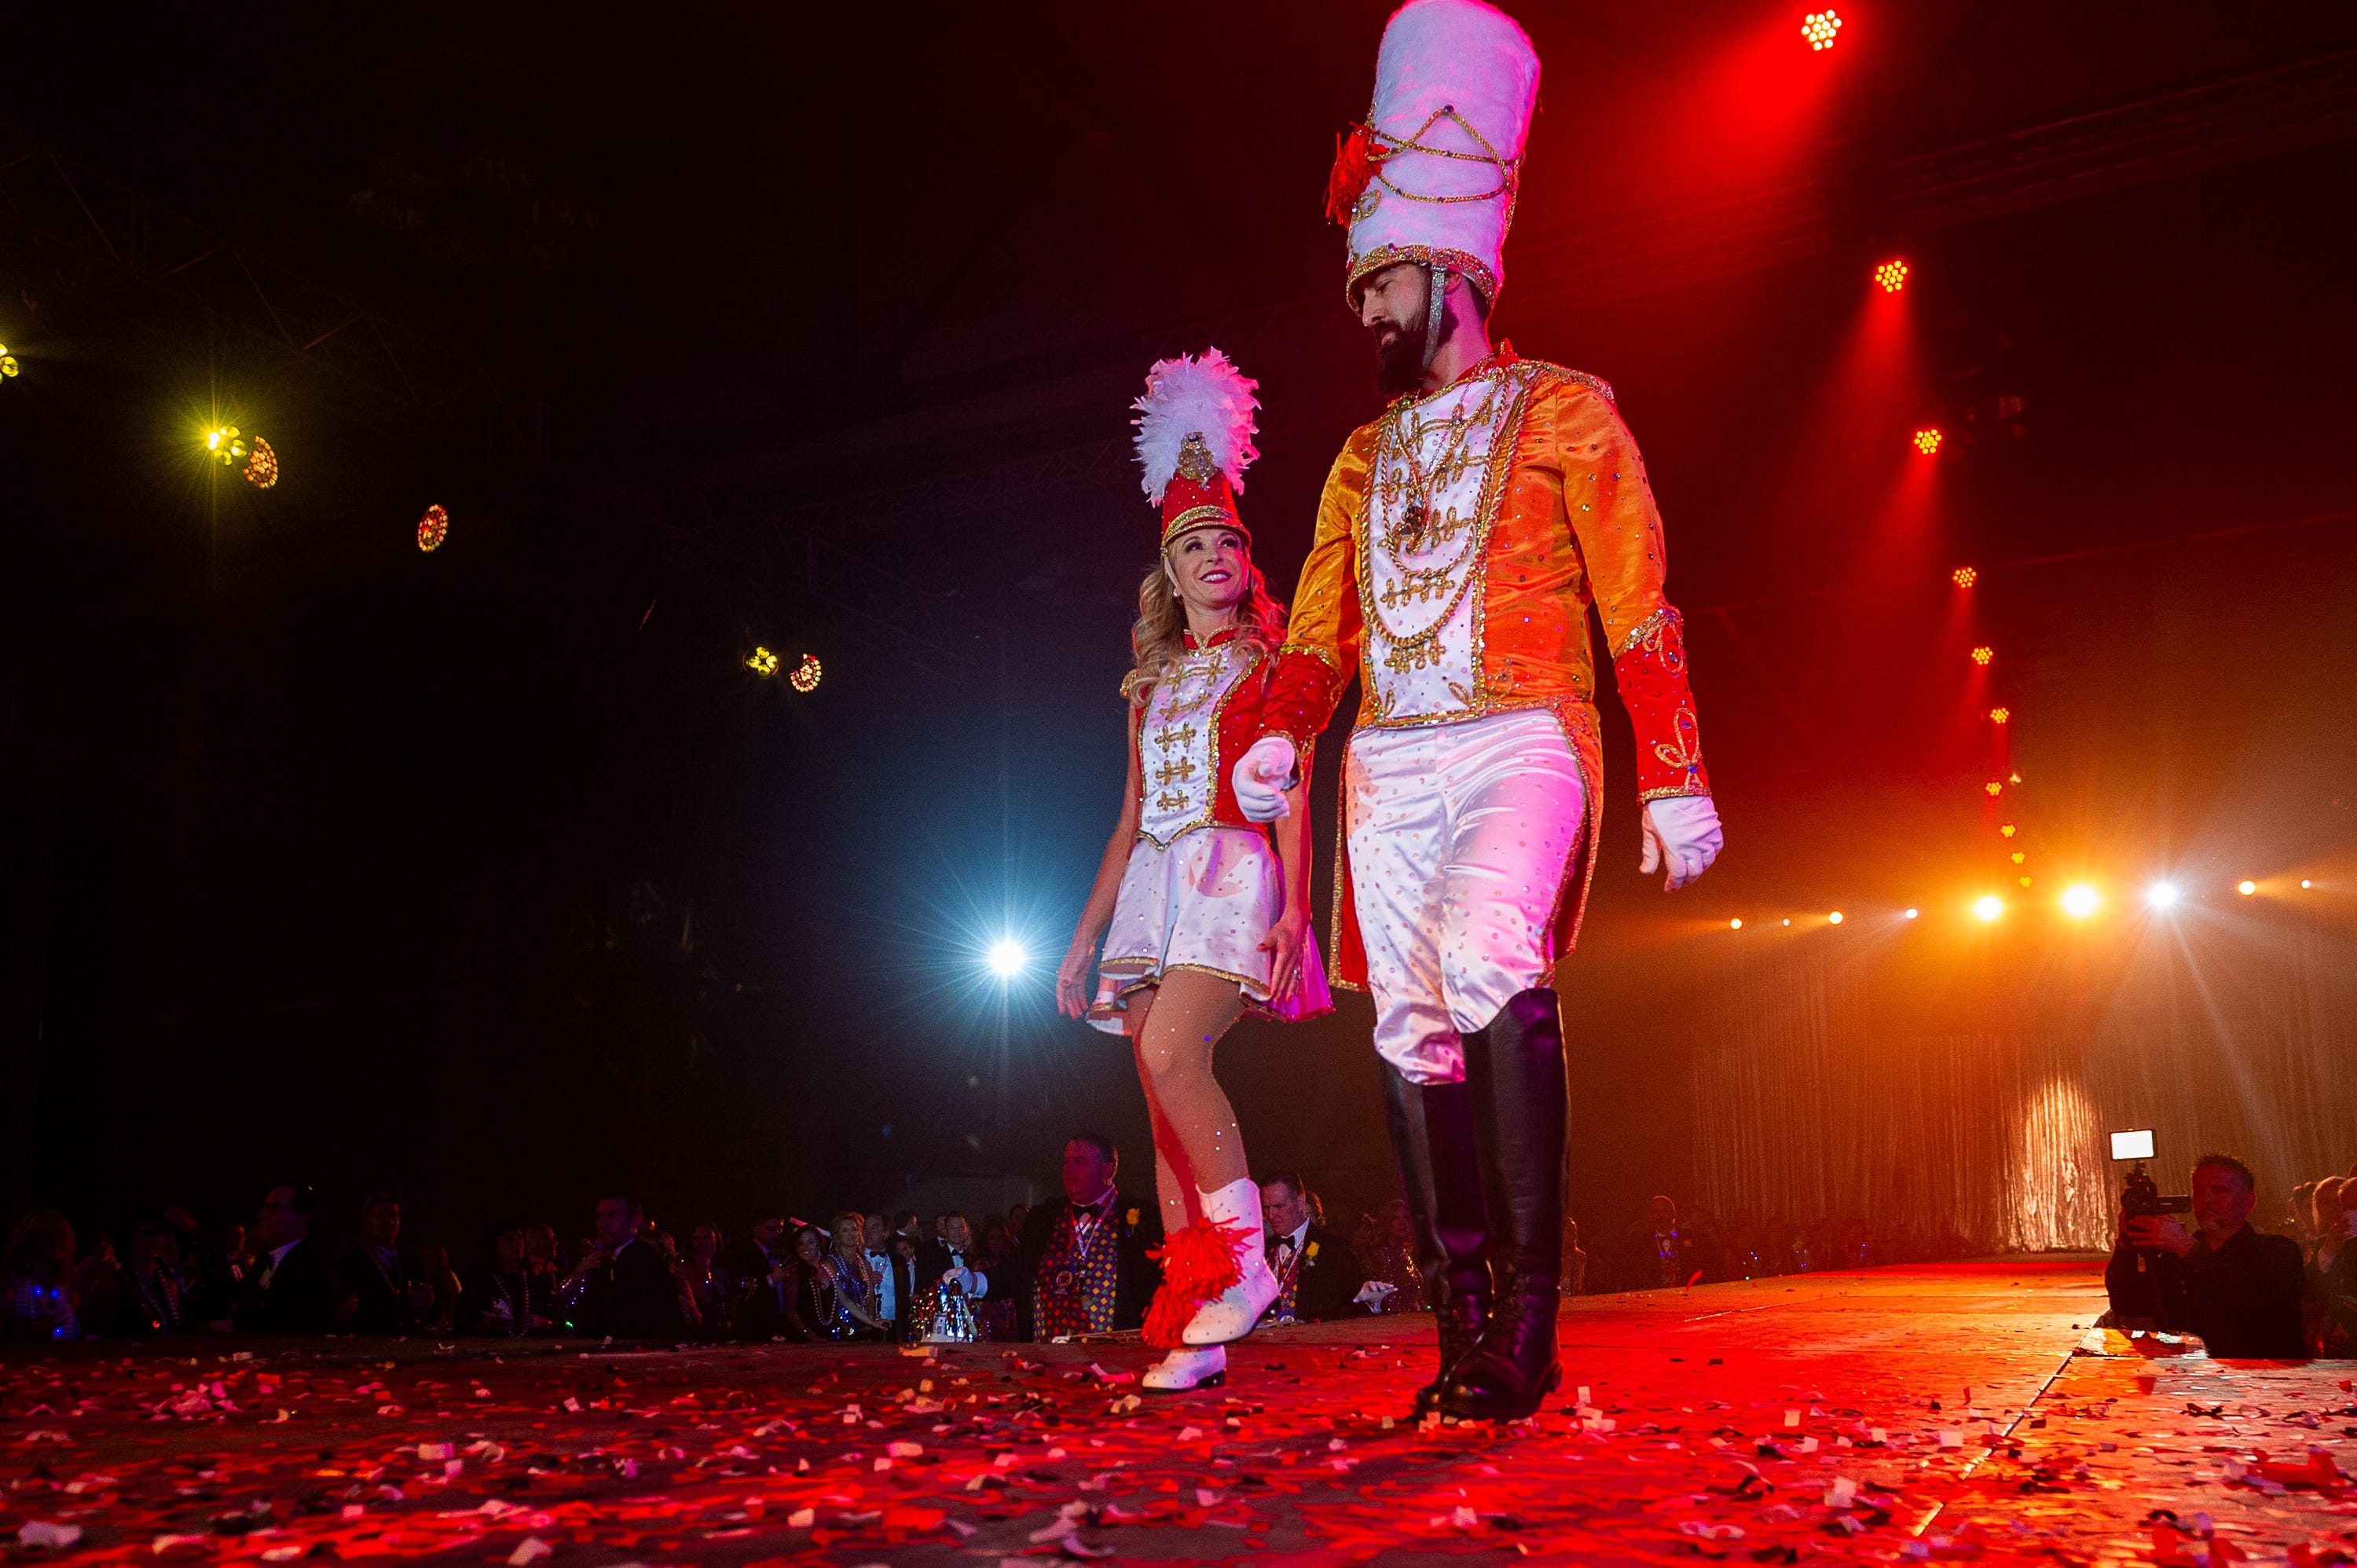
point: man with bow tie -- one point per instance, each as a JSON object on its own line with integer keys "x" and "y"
{"x": 1317, "y": 1276}
{"x": 1081, "y": 1264}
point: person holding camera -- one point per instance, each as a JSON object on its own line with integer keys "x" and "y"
{"x": 2237, "y": 1288}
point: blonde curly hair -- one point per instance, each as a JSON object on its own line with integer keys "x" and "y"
{"x": 1158, "y": 637}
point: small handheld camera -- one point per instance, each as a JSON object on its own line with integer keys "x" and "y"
{"x": 2140, "y": 1196}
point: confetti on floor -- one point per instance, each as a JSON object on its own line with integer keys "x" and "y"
{"x": 1897, "y": 1416}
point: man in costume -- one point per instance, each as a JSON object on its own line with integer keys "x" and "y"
{"x": 1460, "y": 543}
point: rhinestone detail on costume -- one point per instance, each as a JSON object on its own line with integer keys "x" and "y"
{"x": 1179, "y": 739}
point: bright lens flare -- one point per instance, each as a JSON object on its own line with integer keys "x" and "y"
{"x": 2161, "y": 895}
{"x": 1819, "y": 27}
{"x": 1989, "y": 907}
{"x": 2079, "y": 900}
{"x": 1008, "y": 958}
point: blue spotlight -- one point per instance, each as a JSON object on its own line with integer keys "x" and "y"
{"x": 1008, "y": 958}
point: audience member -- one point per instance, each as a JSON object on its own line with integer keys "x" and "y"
{"x": 1662, "y": 1256}
{"x": 1574, "y": 1260}
{"x": 900, "y": 1276}
{"x": 1080, "y": 1263}
{"x": 1394, "y": 1263}
{"x": 150, "y": 1296}
{"x": 290, "y": 1287}
{"x": 2238, "y": 1288}
{"x": 759, "y": 1270}
{"x": 517, "y": 1297}
{"x": 995, "y": 1251}
{"x": 623, "y": 1288}
{"x": 390, "y": 1293}
{"x": 2331, "y": 1308}
{"x": 892, "y": 1302}
{"x": 810, "y": 1288}
{"x": 43, "y": 1293}
{"x": 1318, "y": 1277}
{"x": 852, "y": 1270}
{"x": 707, "y": 1282}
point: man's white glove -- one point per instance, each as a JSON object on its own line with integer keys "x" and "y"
{"x": 1373, "y": 1292}
{"x": 1683, "y": 836}
{"x": 1263, "y": 775}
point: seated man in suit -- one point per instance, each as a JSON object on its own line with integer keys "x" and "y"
{"x": 624, "y": 1287}
{"x": 292, "y": 1288}
{"x": 762, "y": 1272}
{"x": 952, "y": 1244}
{"x": 1317, "y": 1276}
{"x": 1081, "y": 1265}
{"x": 391, "y": 1294}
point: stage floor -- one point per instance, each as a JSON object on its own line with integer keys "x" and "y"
{"x": 1895, "y": 1415}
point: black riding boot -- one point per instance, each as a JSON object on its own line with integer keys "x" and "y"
{"x": 1432, "y": 1144}
{"x": 1514, "y": 1070}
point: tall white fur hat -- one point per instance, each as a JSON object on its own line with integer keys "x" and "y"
{"x": 1433, "y": 174}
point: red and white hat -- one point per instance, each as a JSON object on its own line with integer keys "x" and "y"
{"x": 1432, "y": 175}
{"x": 1195, "y": 427}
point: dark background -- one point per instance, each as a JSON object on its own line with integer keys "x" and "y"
{"x": 492, "y": 876}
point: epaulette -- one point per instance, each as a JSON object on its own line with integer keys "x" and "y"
{"x": 1597, "y": 384}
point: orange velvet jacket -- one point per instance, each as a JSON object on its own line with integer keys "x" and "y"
{"x": 1573, "y": 524}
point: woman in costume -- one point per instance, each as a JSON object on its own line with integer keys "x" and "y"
{"x": 1203, "y": 916}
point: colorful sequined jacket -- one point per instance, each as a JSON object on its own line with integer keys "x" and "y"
{"x": 1571, "y": 522}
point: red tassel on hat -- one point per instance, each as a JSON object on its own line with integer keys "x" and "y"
{"x": 1200, "y": 1263}
{"x": 1355, "y": 157}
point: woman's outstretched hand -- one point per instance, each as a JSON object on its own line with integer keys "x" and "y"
{"x": 1072, "y": 978}
{"x": 1283, "y": 945}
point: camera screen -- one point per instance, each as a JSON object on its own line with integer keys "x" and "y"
{"x": 2136, "y": 1145}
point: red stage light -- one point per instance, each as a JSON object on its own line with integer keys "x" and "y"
{"x": 1964, "y": 576}
{"x": 433, "y": 529}
{"x": 2000, "y": 715}
{"x": 1983, "y": 655}
{"x": 1891, "y": 275}
{"x": 1819, "y": 27}
{"x": 1927, "y": 441}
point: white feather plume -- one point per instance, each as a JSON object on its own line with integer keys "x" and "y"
{"x": 1187, "y": 396}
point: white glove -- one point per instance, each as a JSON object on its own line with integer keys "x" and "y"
{"x": 1263, "y": 775}
{"x": 969, "y": 1282}
{"x": 1372, "y": 1292}
{"x": 1683, "y": 835}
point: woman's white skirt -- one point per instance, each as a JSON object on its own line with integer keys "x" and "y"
{"x": 1206, "y": 903}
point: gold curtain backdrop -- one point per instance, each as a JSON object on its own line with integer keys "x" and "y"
{"x": 1930, "y": 1083}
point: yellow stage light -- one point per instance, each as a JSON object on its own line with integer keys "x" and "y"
{"x": 1964, "y": 576}
{"x": 1994, "y": 788}
{"x": 1989, "y": 907}
{"x": 433, "y": 529}
{"x": 2019, "y": 857}
{"x": 1891, "y": 277}
{"x": 2000, "y": 715}
{"x": 2304, "y": 882}
{"x": 225, "y": 445}
{"x": 2246, "y": 887}
{"x": 2006, "y": 829}
{"x": 1983, "y": 655}
{"x": 761, "y": 662}
{"x": 1910, "y": 914}
{"x": 2025, "y": 882}
{"x": 805, "y": 675}
{"x": 1735, "y": 925}
{"x": 1788, "y": 919}
{"x": 262, "y": 469}
{"x": 2079, "y": 900}
{"x": 7, "y": 362}
{"x": 2015, "y": 778}
{"x": 1927, "y": 441}
{"x": 2161, "y": 895}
